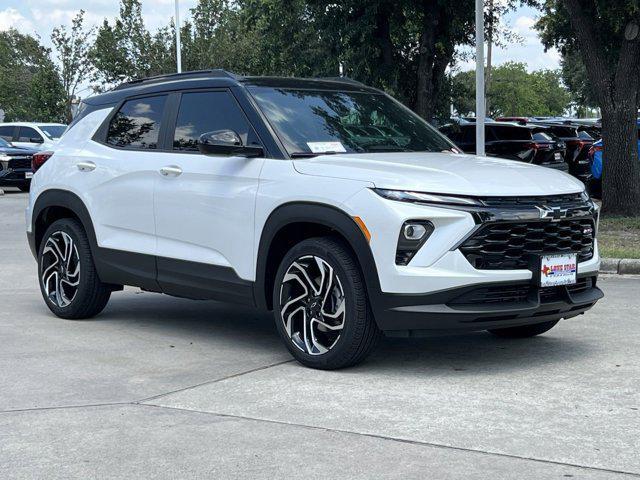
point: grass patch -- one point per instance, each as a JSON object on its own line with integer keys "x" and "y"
{"x": 619, "y": 237}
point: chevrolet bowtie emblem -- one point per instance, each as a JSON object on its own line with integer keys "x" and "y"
{"x": 553, "y": 213}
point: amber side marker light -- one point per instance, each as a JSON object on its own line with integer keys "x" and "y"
{"x": 363, "y": 228}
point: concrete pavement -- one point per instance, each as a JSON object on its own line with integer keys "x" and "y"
{"x": 158, "y": 387}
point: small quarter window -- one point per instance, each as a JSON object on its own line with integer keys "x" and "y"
{"x": 25, "y": 134}
{"x": 137, "y": 123}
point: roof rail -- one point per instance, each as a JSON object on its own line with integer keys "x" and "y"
{"x": 343, "y": 80}
{"x": 216, "y": 72}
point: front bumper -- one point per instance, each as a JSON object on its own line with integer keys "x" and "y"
{"x": 14, "y": 177}
{"x": 482, "y": 307}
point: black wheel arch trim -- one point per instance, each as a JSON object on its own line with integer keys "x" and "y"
{"x": 325, "y": 215}
{"x": 62, "y": 199}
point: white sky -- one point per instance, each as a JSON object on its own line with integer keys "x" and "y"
{"x": 39, "y": 17}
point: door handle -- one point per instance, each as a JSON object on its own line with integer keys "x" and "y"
{"x": 86, "y": 166}
{"x": 170, "y": 171}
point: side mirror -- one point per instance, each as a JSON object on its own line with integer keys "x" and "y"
{"x": 226, "y": 142}
{"x": 36, "y": 140}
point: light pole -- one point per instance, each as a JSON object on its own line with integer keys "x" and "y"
{"x": 178, "y": 49}
{"x": 480, "y": 101}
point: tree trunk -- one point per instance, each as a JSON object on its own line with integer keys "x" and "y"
{"x": 621, "y": 165}
{"x": 424, "y": 92}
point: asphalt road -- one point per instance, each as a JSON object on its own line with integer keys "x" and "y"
{"x": 158, "y": 387}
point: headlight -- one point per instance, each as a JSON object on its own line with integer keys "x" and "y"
{"x": 427, "y": 198}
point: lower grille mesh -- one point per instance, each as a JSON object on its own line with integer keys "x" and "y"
{"x": 509, "y": 246}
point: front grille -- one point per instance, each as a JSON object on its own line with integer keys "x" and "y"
{"x": 517, "y": 245}
{"x": 494, "y": 295}
{"x": 510, "y": 294}
{"x": 18, "y": 163}
{"x": 570, "y": 200}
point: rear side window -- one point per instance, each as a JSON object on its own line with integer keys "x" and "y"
{"x": 543, "y": 137}
{"x": 137, "y": 123}
{"x": 202, "y": 112}
{"x": 25, "y": 134}
{"x": 511, "y": 133}
{"x": 6, "y": 132}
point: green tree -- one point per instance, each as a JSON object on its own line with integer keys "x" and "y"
{"x": 72, "y": 48}
{"x": 607, "y": 36}
{"x": 30, "y": 88}
{"x": 513, "y": 92}
{"x": 574, "y": 76}
{"x": 126, "y": 49}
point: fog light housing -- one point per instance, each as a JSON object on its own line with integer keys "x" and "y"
{"x": 412, "y": 236}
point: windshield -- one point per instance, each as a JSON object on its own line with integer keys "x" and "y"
{"x": 53, "y": 131}
{"x": 314, "y": 122}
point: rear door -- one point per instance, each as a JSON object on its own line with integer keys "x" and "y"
{"x": 116, "y": 179}
{"x": 205, "y": 205}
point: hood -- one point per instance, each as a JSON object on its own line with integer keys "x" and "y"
{"x": 442, "y": 173}
{"x": 16, "y": 151}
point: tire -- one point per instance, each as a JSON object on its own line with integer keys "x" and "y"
{"x": 341, "y": 304}
{"x": 25, "y": 188}
{"x": 79, "y": 295}
{"x": 525, "y": 331}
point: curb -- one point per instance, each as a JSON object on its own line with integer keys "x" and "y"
{"x": 620, "y": 266}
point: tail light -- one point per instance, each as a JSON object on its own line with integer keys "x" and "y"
{"x": 38, "y": 159}
{"x": 537, "y": 146}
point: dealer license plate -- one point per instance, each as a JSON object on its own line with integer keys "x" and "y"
{"x": 560, "y": 269}
{"x": 28, "y": 174}
{"x": 557, "y": 156}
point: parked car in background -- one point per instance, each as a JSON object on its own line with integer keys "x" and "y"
{"x": 38, "y": 136}
{"x": 15, "y": 166}
{"x": 513, "y": 142}
{"x": 577, "y": 142}
{"x": 595, "y": 155}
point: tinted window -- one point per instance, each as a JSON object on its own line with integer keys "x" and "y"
{"x": 202, "y": 112}
{"x": 53, "y": 131}
{"x": 543, "y": 137}
{"x": 310, "y": 122}
{"x": 511, "y": 133}
{"x": 137, "y": 123}
{"x": 27, "y": 133}
{"x": 565, "y": 132}
{"x": 6, "y": 132}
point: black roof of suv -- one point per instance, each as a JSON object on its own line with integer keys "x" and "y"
{"x": 218, "y": 79}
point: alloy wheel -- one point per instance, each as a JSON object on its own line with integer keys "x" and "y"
{"x": 312, "y": 305}
{"x": 60, "y": 269}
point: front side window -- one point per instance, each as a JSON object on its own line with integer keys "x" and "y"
{"x": 204, "y": 112}
{"x": 25, "y": 134}
{"x": 137, "y": 123}
{"x": 312, "y": 122}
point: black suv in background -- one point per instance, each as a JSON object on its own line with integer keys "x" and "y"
{"x": 527, "y": 144}
{"x": 15, "y": 166}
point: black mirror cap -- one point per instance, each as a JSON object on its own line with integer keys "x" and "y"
{"x": 227, "y": 142}
{"x": 36, "y": 140}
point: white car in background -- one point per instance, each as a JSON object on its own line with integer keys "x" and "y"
{"x": 39, "y": 136}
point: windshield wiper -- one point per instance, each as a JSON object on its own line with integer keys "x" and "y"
{"x": 387, "y": 148}
{"x": 310, "y": 154}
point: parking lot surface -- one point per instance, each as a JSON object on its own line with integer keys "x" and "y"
{"x": 160, "y": 387}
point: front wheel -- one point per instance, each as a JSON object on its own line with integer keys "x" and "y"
{"x": 67, "y": 275}
{"x": 525, "y": 331}
{"x": 321, "y": 308}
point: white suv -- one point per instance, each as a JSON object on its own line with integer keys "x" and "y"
{"x": 323, "y": 200}
{"x": 39, "y": 136}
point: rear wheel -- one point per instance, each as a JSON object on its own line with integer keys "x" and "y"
{"x": 525, "y": 331}
{"x": 321, "y": 308}
{"x": 67, "y": 275}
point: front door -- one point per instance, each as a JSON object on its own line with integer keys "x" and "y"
{"x": 205, "y": 205}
